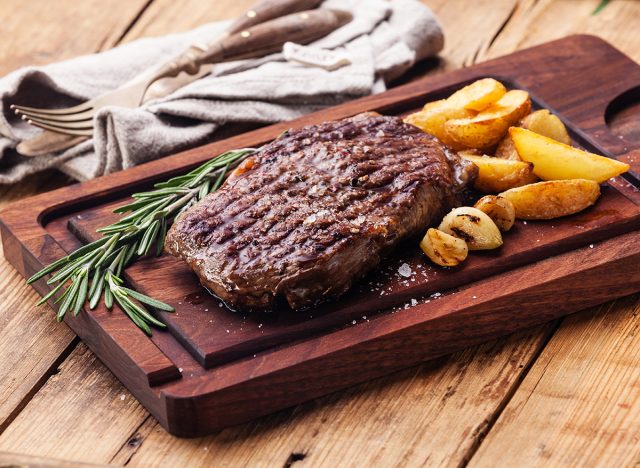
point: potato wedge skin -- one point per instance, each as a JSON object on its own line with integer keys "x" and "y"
{"x": 478, "y": 95}
{"x": 488, "y": 127}
{"x": 552, "y": 199}
{"x": 496, "y": 175}
{"x": 556, "y": 161}
{"x": 506, "y": 149}
{"x": 431, "y": 119}
{"x": 541, "y": 122}
{"x": 546, "y": 124}
{"x": 499, "y": 209}
{"x": 444, "y": 249}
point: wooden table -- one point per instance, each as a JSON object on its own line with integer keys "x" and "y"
{"x": 565, "y": 393}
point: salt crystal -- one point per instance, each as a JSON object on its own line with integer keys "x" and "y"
{"x": 524, "y": 222}
{"x": 310, "y": 219}
{"x": 405, "y": 270}
{"x": 475, "y": 297}
{"x": 180, "y": 369}
{"x": 359, "y": 220}
{"x": 227, "y": 331}
{"x": 414, "y": 302}
{"x": 260, "y": 325}
{"x": 122, "y": 397}
{"x": 353, "y": 323}
{"x": 591, "y": 246}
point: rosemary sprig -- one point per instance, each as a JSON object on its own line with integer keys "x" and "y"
{"x": 94, "y": 271}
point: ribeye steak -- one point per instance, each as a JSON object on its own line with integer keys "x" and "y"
{"x": 316, "y": 209}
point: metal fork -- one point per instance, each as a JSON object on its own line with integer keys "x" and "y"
{"x": 258, "y": 40}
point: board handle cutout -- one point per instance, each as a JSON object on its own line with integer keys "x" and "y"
{"x": 622, "y": 116}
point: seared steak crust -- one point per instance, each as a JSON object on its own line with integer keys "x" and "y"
{"x": 316, "y": 210}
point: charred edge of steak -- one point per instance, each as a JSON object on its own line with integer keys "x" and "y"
{"x": 316, "y": 209}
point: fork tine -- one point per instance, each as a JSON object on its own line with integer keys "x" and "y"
{"x": 81, "y": 132}
{"x": 65, "y": 111}
{"x": 82, "y": 116}
{"x": 66, "y": 125}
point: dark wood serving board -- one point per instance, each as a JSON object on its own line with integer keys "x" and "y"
{"x": 214, "y": 367}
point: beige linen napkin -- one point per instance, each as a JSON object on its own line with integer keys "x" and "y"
{"x": 383, "y": 41}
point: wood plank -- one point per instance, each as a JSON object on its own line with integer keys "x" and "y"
{"x": 80, "y": 414}
{"x": 398, "y": 448}
{"x": 570, "y": 425}
{"x": 215, "y": 390}
{"x": 538, "y": 21}
{"x": 580, "y": 403}
{"x": 35, "y": 34}
{"x": 8, "y": 459}
{"x": 402, "y": 419}
{"x": 161, "y": 28}
{"x": 31, "y": 344}
{"x": 470, "y": 32}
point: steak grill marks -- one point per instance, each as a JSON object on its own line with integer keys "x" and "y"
{"x": 316, "y": 209}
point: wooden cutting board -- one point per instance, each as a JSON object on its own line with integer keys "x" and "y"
{"x": 214, "y": 368}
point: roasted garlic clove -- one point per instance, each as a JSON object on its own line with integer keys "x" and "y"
{"x": 473, "y": 226}
{"x": 499, "y": 209}
{"x": 444, "y": 249}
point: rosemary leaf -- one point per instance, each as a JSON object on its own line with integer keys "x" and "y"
{"x": 94, "y": 271}
{"x": 82, "y": 293}
{"x": 148, "y": 300}
{"x": 50, "y": 294}
{"x": 97, "y": 292}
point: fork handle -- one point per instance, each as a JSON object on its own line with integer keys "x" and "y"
{"x": 258, "y": 41}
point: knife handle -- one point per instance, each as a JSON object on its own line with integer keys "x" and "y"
{"x": 269, "y": 37}
{"x": 269, "y": 9}
{"x": 258, "y": 41}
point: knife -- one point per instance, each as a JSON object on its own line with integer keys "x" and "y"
{"x": 47, "y": 142}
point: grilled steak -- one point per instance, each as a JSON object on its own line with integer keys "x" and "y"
{"x": 316, "y": 209}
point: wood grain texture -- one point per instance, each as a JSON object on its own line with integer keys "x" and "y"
{"x": 215, "y": 335}
{"x": 34, "y": 33}
{"x": 9, "y": 459}
{"x": 203, "y": 400}
{"x": 76, "y": 409}
{"x": 467, "y": 29}
{"x": 404, "y": 419}
{"x": 580, "y": 403}
{"x": 536, "y": 21}
{"x": 31, "y": 345}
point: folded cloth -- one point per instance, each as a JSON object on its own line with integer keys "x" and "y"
{"x": 384, "y": 40}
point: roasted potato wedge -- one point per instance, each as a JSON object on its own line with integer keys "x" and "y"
{"x": 478, "y": 95}
{"x": 506, "y": 149}
{"x": 496, "y": 175}
{"x": 444, "y": 249}
{"x": 488, "y": 127}
{"x": 473, "y": 226}
{"x": 541, "y": 122}
{"x": 432, "y": 117}
{"x": 556, "y": 161}
{"x": 499, "y": 209}
{"x": 546, "y": 124}
{"x": 552, "y": 199}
